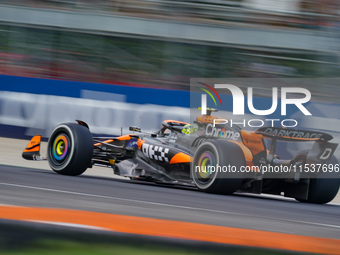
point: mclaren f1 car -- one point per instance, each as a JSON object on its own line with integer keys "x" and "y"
{"x": 210, "y": 155}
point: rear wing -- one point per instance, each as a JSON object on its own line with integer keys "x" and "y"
{"x": 293, "y": 134}
{"x": 320, "y": 153}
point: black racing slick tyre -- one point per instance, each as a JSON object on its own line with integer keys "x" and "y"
{"x": 215, "y": 167}
{"x": 321, "y": 189}
{"x": 70, "y": 149}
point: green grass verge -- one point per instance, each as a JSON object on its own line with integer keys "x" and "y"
{"x": 19, "y": 238}
{"x": 49, "y": 247}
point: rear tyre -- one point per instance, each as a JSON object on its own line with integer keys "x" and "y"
{"x": 212, "y": 166}
{"x": 70, "y": 149}
{"x": 321, "y": 189}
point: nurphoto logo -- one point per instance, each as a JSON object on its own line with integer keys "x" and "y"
{"x": 239, "y": 104}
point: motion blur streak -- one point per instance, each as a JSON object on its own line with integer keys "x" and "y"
{"x": 164, "y": 43}
{"x": 175, "y": 229}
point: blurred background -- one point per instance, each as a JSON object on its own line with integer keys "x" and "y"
{"x": 82, "y": 49}
{"x": 162, "y": 43}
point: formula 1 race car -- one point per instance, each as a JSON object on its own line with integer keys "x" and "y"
{"x": 209, "y": 154}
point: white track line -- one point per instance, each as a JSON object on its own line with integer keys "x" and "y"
{"x": 65, "y": 224}
{"x": 167, "y": 205}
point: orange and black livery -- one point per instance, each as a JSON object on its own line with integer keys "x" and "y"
{"x": 208, "y": 154}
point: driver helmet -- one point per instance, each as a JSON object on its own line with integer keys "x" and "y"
{"x": 189, "y": 129}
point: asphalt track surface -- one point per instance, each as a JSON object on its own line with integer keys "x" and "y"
{"x": 267, "y": 216}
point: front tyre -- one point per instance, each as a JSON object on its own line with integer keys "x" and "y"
{"x": 213, "y": 166}
{"x": 70, "y": 149}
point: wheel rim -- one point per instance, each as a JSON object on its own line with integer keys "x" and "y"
{"x": 205, "y": 173}
{"x": 60, "y": 148}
